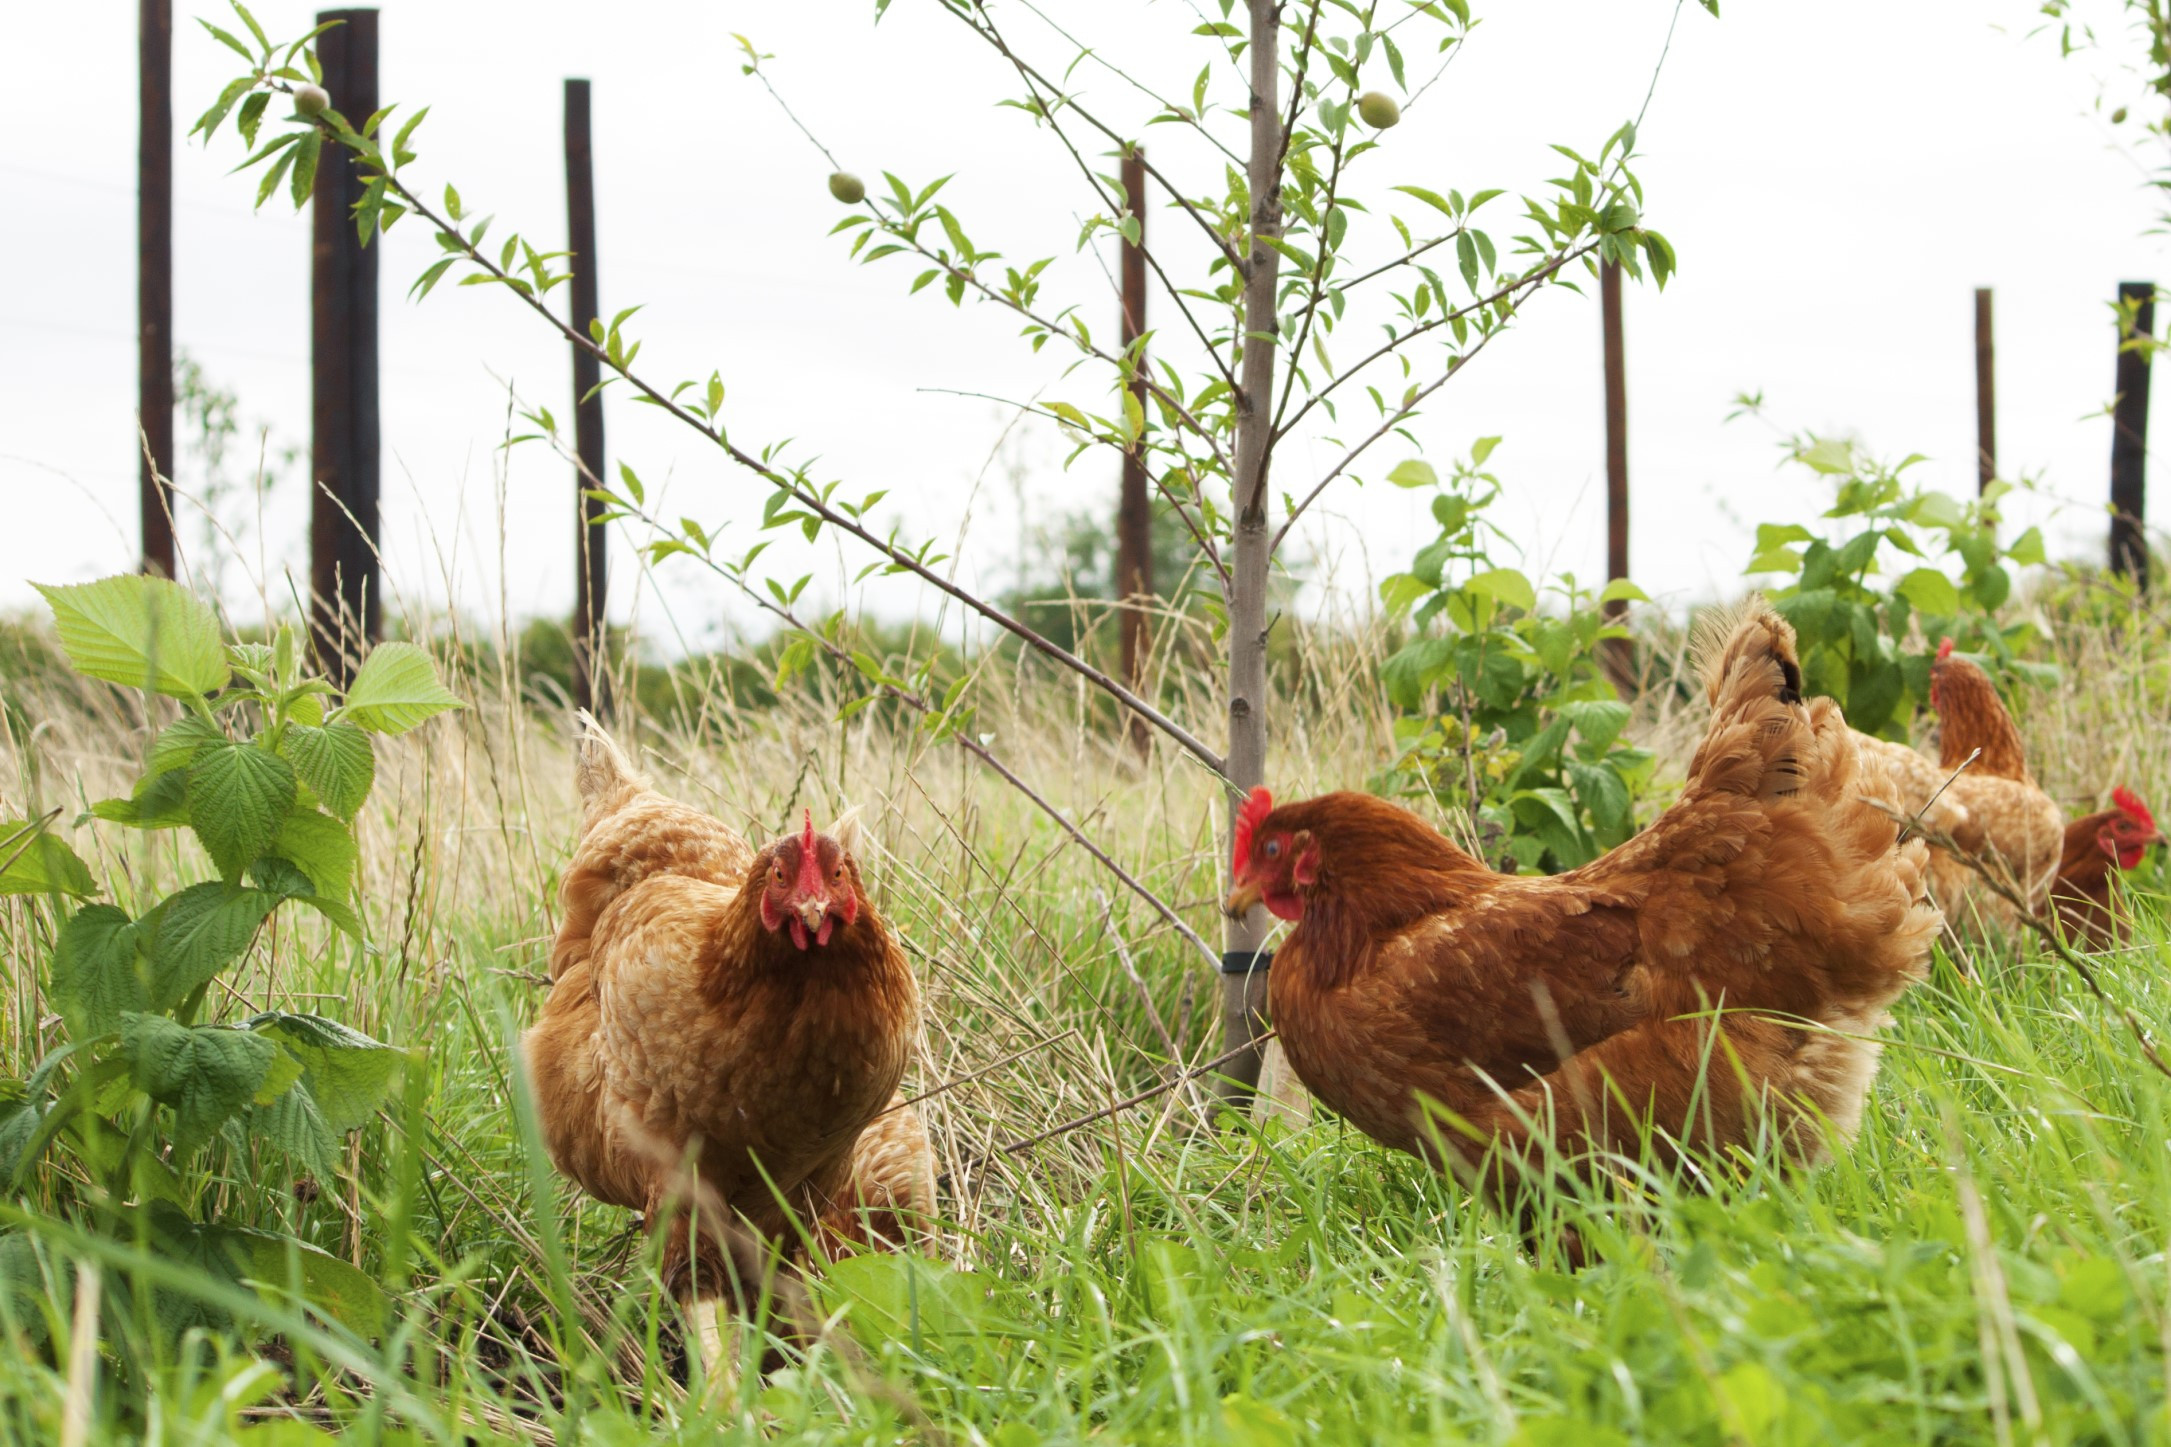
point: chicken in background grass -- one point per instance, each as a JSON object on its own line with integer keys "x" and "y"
{"x": 747, "y": 1011}
{"x": 1578, "y": 1010}
{"x": 1993, "y": 809}
{"x": 2095, "y": 845}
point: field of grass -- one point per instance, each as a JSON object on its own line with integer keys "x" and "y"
{"x": 1988, "y": 1261}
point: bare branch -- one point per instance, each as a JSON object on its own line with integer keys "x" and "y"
{"x": 1028, "y": 1142}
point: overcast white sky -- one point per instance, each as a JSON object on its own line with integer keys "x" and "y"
{"x": 1836, "y": 178}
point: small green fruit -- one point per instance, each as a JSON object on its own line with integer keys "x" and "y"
{"x": 1378, "y": 109}
{"x": 847, "y": 188}
{"x": 311, "y": 100}
{"x": 2118, "y": 117}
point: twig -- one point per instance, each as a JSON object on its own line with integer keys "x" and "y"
{"x": 1941, "y": 788}
{"x": 949, "y": 1085}
{"x": 1013, "y": 1147}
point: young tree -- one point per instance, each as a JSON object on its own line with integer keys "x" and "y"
{"x": 1311, "y": 310}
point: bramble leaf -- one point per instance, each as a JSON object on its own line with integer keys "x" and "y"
{"x": 238, "y": 795}
{"x": 140, "y": 632}
{"x": 395, "y": 689}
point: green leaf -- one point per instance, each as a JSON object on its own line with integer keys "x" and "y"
{"x": 396, "y": 689}
{"x": 142, "y": 632}
{"x": 179, "y": 742}
{"x": 322, "y": 848}
{"x": 338, "y": 763}
{"x": 206, "y": 1073}
{"x": 1603, "y": 796}
{"x": 1411, "y": 671}
{"x": 1597, "y": 721}
{"x": 1930, "y": 591}
{"x": 331, "y": 1286}
{"x": 348, "y": 1074}
{"x": 1482, "y": 449}
{"x": 160, "y": 801}
{"x": 2027, "y": 549}
{"x": 32, "y": 861}
{"x": 1830, "y": 456}
{"x": 97, "y": 971}
{"x": 238, "y": 794}
{"x": 1401, "y": 591}
{"x": 1413, "y": 472}
{"x": 294, "y": 1124}
{"x": 1937, "y": 510}
{"x": 199, "y": 932}
{"x": 1506, "y": 586}
{"x": 1621, "y": 590}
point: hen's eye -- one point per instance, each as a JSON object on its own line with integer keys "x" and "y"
{"x": 1273, "y": 848}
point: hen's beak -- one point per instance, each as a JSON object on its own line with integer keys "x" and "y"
{"x": 812, "y": 911}
{"x": 1241, "y": 899}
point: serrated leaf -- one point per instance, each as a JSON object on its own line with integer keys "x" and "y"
{"x": 197, "y": 933}
{"x": 97, "y": 975}
{"x": 160, "y": 801}
{"x": 322, "y": 848}
{"x": 205, "y": 1073}
{"x": 338, "y": 763}
{"x": 180, "y": 741}
{"x": 140, "y": 632}
{"x": 33, "y": 861}
{"x": 348, "y": 1074}
{"x": 238, "y": 795}
{"x": 395, "y": 689}
{"x": 294, "y": 1124}
{"x": 1930, "y": 591}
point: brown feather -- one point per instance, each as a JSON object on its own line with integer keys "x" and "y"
{"x": 682, "y": 1027}
{"x": 1574, "y": 1009}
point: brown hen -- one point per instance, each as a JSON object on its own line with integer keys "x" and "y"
{"x": 1993, "y": 808}
{"x": 2097, "y": 846}
{"x": 1579, "y": 1009}
{"x": 744, "y": 1011}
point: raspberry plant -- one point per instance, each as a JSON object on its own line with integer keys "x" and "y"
{"x": 120, "y": 1129}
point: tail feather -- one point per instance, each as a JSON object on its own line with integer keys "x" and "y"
{"x": 603, "y": 774}
{"x": 1762, "y": 741}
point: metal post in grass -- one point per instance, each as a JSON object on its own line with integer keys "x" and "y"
{"x": 591, "y": 557}
{"x": 154, "y": 284}
{"x": 2129, "y": 431}
{"x": 1134, "y": 515}
{"x": 1986, "y": 395}
{"x": 344, "y": 421}
{"x": 1619, "y": 660}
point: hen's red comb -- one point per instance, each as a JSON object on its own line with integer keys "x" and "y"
{"x": 1256, "y": 806}
{"x": 1944, "y": 650}
{"x": 806, "y": 839}
{"x": 2130, "y": 805}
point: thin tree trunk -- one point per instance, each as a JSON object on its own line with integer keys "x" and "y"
{"x": 1134, "y": 510}
{"x": 1243, "y": 1000}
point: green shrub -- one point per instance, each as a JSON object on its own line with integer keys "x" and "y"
{"x": 1506, "y": 708}
{"x": 267, "y": 766}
